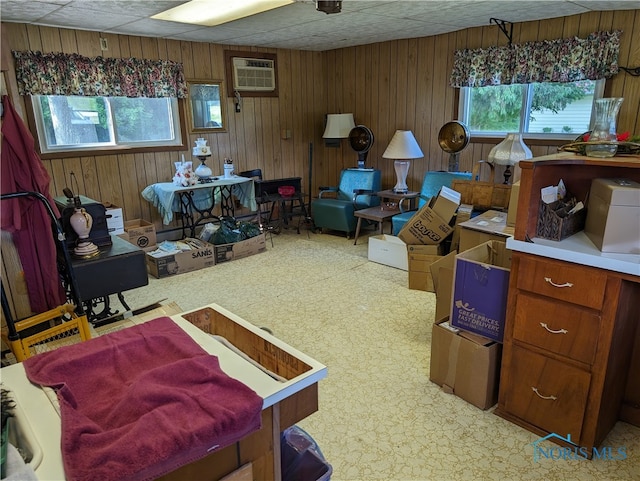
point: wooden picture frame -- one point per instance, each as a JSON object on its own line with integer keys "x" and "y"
{"x": 206, "y": 106}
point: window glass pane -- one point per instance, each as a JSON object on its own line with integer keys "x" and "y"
{"x": 142, "y": 119}
{"x": 98, "y": 123}
{"x": 542, "y": 110}
{"x": 561, "y": 108}
{"x": 495, "y": 109}
{"x": 72, "y": 121}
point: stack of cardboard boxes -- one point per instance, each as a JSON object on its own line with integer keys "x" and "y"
{"x": 471, "y": 299}
{"x": 200, "y": 255}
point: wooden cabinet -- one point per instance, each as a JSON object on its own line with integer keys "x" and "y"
{"x": 572, "y": 318}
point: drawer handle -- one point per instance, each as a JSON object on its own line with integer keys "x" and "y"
{"x": 548, "y": 398}
{"x": 559, "y": 331}
{"x": 566, "y": 284}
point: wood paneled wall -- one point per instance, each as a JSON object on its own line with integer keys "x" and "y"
{"x": 401, "y": 84}
{"x": 253, "y": 137}
{"x": 404, "y": 84}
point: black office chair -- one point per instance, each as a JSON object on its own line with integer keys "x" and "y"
{"x": 255, "y": 174}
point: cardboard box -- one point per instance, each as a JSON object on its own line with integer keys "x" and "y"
{"x": 613, "y": 215}
{"x": 480, "y": 287}
{"x": 115, "y": 219}
{"x": 442, "y": 274}
{"x": 186, "y": 261}
{"x": 463, "y": 215}
{"x": 420, "y": 259}
{"x": 465, "y": 365}
{"x": 446, "y": 203}
{"x": 426, "y": 226}
{"x": 388, "y": 250}
{"x": 512, "y": 211}
{"x": 238, "y": 250}
{"x": 491, "y": 225}
{"x": 140, "y": 233}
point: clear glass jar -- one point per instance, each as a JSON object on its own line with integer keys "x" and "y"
{"x": 603, "y": 139}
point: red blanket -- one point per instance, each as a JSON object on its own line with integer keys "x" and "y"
{"x": 141, "y": 402}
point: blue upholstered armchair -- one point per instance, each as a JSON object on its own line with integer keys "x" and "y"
{"x": 430, "y": 186}
{"x": 334, "y": 208}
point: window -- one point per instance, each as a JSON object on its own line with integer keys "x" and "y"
{"x": 68, "y": 123}
{"x": 540, "y": 110}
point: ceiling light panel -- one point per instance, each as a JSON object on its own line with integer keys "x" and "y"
{"x": 216, "y": 12}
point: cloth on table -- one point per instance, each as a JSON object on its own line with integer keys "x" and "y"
{"x": 141, "y": 402}
{"x": 165, "y": 195}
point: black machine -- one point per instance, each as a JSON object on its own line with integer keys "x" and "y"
{"x": 99, "y": 234}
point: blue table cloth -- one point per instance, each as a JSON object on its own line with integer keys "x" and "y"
{"x": 165, "y": 196}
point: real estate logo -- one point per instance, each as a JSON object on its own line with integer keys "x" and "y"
{"x": 574, "y": 451}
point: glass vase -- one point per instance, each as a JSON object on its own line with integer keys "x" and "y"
{"x": 603, "y": 140}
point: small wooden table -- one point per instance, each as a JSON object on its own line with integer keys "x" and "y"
{"x": 375, "y": 214}
{"x": 410, "y": 197}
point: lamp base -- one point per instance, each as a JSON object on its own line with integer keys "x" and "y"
{"x": 507, "y": 174}
{"x": 402, "y": 169}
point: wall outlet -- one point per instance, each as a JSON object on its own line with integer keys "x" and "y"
{"x": 103, "y": 44}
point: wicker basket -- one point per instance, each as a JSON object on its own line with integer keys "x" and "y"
{"x": 555, "y": 227}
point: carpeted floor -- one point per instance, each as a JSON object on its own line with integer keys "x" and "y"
{"x": 380, "y": 417}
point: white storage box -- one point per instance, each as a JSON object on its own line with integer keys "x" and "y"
{"x": 388, "y": 250}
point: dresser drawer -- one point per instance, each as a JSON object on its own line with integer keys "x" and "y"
{"x": 561, "y": 280}
{"x": 558, "y": 327}
{"x": 547, "y": 393}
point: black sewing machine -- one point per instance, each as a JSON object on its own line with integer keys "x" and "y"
{"x": 99, "y": 234}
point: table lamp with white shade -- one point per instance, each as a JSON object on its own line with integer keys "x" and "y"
{"x": 509, "y": 152}
{"x": 402, "y": 148}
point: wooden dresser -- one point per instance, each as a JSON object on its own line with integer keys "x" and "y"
{"x": 572, "y": 317}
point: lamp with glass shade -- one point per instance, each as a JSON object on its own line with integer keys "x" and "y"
{"x": 402, "y": 148}
{"x": 509, "y": 152}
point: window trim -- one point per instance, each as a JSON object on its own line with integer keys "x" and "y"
{"x": 533, "y": 138}
{"x": 114, "y": 150}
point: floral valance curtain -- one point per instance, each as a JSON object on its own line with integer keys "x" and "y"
{"x": 561, "y": 60}
{"x": 71, "y": 74}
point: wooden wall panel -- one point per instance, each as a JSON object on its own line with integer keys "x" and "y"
{"x": 402, "y": 84}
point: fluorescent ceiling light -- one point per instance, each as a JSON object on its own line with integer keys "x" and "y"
{"x": 216, "y": 12}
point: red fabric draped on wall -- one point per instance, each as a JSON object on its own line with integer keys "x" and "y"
{"x": 26, "y": 218}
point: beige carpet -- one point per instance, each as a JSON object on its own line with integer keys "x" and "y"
{"x": 380, "y": 417}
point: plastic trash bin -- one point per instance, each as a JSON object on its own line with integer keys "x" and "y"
{"x": 302, "y": 459}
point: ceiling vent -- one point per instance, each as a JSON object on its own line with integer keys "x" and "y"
{"x": 254, "y": 74}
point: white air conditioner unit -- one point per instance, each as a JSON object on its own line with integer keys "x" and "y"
{"x": 254, "y": 74}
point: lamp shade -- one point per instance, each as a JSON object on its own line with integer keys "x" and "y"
{"x": 338, "y": 126}
{"x": 403, "y": 145}
{"x": 510, "y": 151}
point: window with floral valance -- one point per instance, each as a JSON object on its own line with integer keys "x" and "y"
{"x": 72, "y": 74}
{"x": 561, "y": 60}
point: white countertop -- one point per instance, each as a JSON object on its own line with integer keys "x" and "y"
{"x": 580, "y": 250}
{"x": 44, "y": 420}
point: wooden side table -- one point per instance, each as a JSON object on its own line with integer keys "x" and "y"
{"x": 375, "y": 214}
{"x": 410, "y": 197}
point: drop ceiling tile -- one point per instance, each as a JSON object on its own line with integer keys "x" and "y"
{"x": 76, "y": 17}
{"x": 27, "y": 11}
{"x": 137, "y": 8}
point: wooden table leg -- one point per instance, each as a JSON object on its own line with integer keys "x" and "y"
{"x": 355, "y": 241}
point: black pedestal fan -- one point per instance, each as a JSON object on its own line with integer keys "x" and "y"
{"x": 453, "y": 138}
